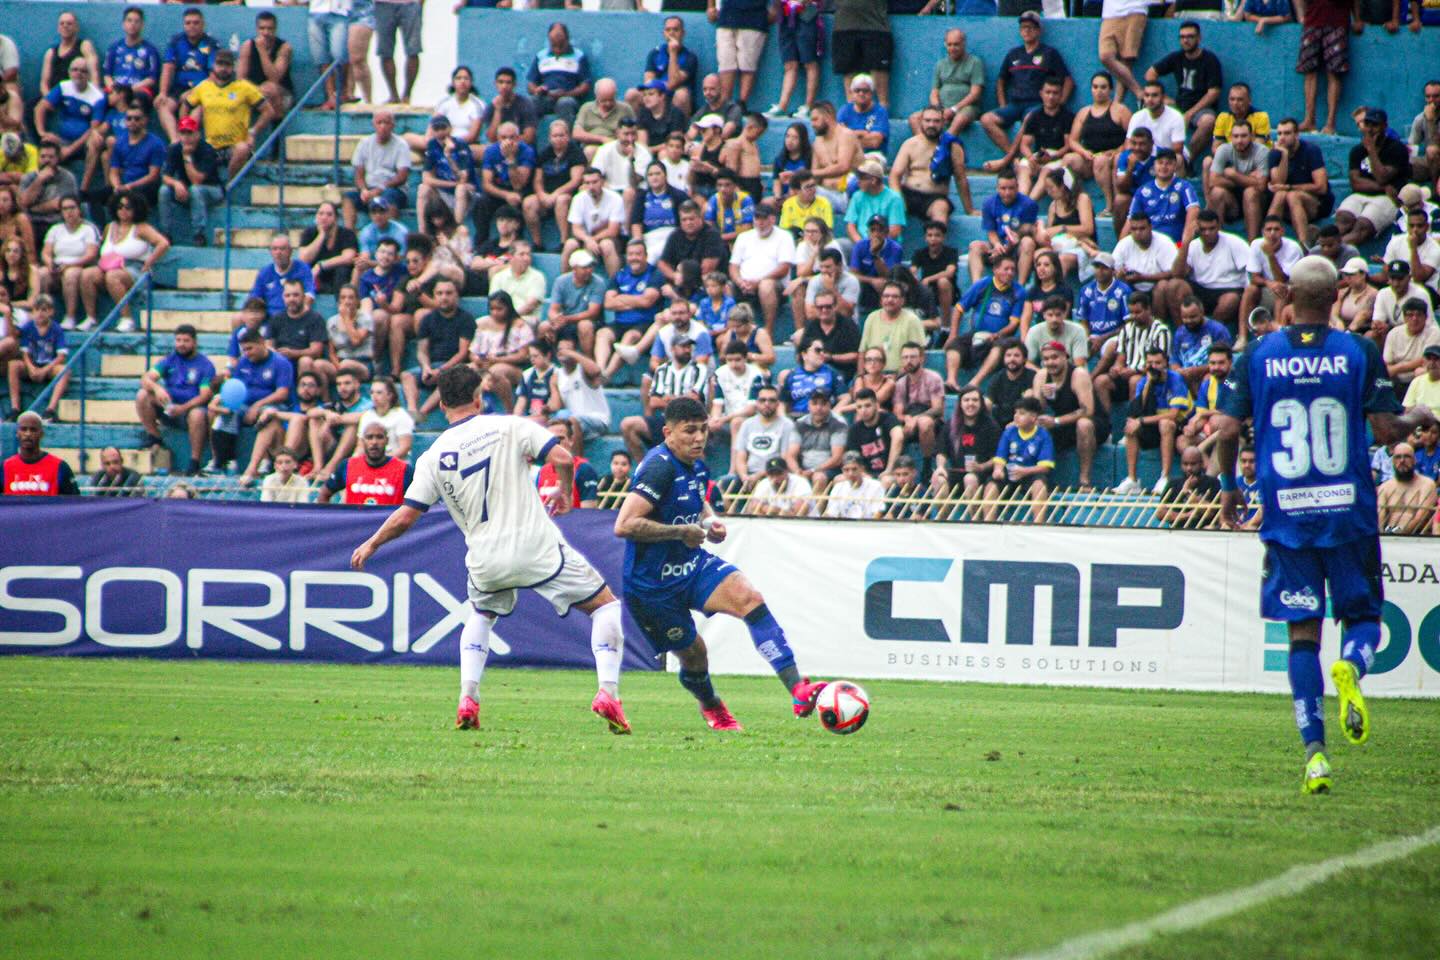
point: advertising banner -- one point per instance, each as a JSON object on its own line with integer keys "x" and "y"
{"x": 178, "y": 578}
{"x": 1048, "y": 605}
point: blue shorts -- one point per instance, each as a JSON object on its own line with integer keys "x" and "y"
{"x": 1014, "y": 111}
{"x": 665, "y": 618}
{"x": 393, "y": 196}
{"x": 800, "y": 43}
{"x": 1295, "y": 581}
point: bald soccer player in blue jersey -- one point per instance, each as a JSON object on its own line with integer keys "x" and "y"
{"x": 664, "y": 520}
{"x": 1310, "y": 390}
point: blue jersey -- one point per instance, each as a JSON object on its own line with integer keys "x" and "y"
{"x": 657, "y": 61}
{"x": 1144, "y": 171}
{"x": 42, "y": 348}
{"x": 1021, "y": 449}
{"x": 1166, "y": 205}
{"x": 132, "y": 65}
{"x": 676, "y": 493}
{"x": 269, "y": 285}
{"x": 1102, "y": 312}
{"x": 379, "y": 287}
{"x": 192, "y": 60}
{"x": 1428, "y": 462}
{"x": 449, "y": 166}
{"x": 991, "y": 309}
{"x": 802, "y": 383}
{"x": 1211, "y": 394}
{"x": 1169, "y": 393}
{"x": 653, "y": 211}
{"x": 263, "y": 379}
{"x": 867, "y": 263}
{"x": 996, "y": 216}
{"x": 1250, "y": 495}
{"x": 184, "y": 377}
{"x": 75, "y": 109}
{"x": 134, "y": 160}
{"x": 1309, "y": 389}
{"x": 632, "y": 284}
{"x": 493, "y": 159}
{"x": 232, "y": 349}
{"x": 1191, "y": 348}
{"x": 874, "y": 120}
{"x": 715, "y": 318}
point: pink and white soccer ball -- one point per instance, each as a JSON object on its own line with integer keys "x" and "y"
{"x": 842, "y": 706}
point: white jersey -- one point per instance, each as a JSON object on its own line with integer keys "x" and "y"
{"x": 480, "y": 467}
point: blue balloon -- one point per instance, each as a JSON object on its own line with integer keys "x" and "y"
{"x": 232, "y": 395}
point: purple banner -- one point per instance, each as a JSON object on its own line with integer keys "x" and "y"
{"x": 178, "y": 578}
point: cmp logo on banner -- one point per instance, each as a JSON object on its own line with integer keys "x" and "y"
{"x": 1122, "y": 608}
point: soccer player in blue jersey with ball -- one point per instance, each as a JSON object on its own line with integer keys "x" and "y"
{"x": 665, "y": 519}
{"x": 1310, "y": 390}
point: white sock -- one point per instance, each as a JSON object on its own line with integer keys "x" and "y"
{"x": 474, "y": 648}
{"x": 607, "y": 642}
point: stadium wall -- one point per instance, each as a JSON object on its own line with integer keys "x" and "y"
{"x": 1112, "y": 608}
{"x": 1387, "y": 70}
{"x": 177, "y": 578}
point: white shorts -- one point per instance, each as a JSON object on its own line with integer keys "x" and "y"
{"x": 1378, "y": 209}
{"x": 738, "y": 49}
{"x": 575, "y": 581}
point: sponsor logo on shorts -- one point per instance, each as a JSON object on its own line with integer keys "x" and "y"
{"x": 675, "y": 634}
{"x": 1300, "y": 600}
{"x": 678, "y": 569}
{"x": 1317, "y": 498}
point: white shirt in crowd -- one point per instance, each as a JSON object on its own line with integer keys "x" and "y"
{"x": 796, "y": 489}
{"x": 1290, "y": 254}
{"x": 579, "y": 396}
{"x": 617, "y": 167}
{"x": 397, "y": 423}
{"x": 1223, "y": 268}
{"x": 70, "y": 247}
{"x": 461, "y": 115}
{"x": 1388, "y": 306}
{"x": 1168, "y": 129}
{"x": 733, "y": 390}
{"x": 1159, "y": 257}
{"x": 758, "y": 256}
{"x": 860, "y": 501}
{"x": 1399, "y": 249}
{"x": 595, "y": 215}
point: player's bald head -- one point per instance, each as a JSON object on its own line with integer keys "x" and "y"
{"x": 30, "y": 419}
{"x": 1312, "y": 286}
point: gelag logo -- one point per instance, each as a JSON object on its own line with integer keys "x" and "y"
{"x": 1108, "y": 615}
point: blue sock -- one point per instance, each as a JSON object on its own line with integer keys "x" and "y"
{"x": 1358, "y": 644}
{"x": 700, "y": 686}
{"x": 1308, "y": 686}
{"x": 769, "y": 639}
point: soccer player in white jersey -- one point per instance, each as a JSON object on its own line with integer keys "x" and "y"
{"x": 480, "y": 467}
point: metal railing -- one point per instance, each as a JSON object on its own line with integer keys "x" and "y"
{"x": 263, "y": 150}
{"x": 145, "y": 284}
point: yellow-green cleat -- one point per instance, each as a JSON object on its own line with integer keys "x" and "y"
{"x": 1317, "y": 775}
{"x": 1354, "y": 718}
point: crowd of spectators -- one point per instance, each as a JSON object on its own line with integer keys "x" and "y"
{"x": 682, "y": 248}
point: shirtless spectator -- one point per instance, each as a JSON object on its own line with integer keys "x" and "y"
{"x": 835, "y": 152}
{"x": 924, "y": 167}
{"x": 742, "y": 156}
{"x": 1406, "y": 502}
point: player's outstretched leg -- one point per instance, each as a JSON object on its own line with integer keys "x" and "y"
{"x": 607, "y": 642}
{"x": 695, "y": 677}
{"x": 474, "y": 649}
{"x": 1357, "y": 655}
{"x": 1307, "y": 686}
{"x": 736, "y": 596}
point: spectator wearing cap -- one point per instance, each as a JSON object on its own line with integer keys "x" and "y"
{"x": 674, "y": 65}
{"x": 1100, "y": 307}
{"x": 820, "y": 439}
{"x": 760, "y": 263}
{"x": 1171, "y": 203}
{"x": 872, "y": 259}
{"x": 17, "y": 158}
{"x": 382, "y": 226}
{"x": 855, "y": 495}
{"x": 1400, "y": 288}
{"x": 598, "y": 121}
{"x": 449, "y": 175}
{"x": 1424, "y": 389}
{"x": 559, "y": 75}
{"x": 781, "y": 493}
{"x": 184, "y": 65}
{"x": 1355, "y": 299}
{"x": 657, "y": 118}
{"x": 862, "y": 114}
{"x": 1417, "y": 246}
{"x": 233, "y": 112}
{"x": 175, "y": 392}
{"x": 1009, "y": 219}
{"x": 1405, "y": 345}
{"x": 919, "y": 398}
{"x": 1379, "y": 166}
{"x": 190, "y": 181}
{"x": 1325, "y": 42}
{"x": 1272, "y": 256}
{"x": 680, "y": 376}
{"x": 874, "y": 198}
{"x": 1017, "y": 88}
{"x": 506, "y": 169}
{"x": 382, "y": 169}
{"x": 577, "y": 299}
{"x": 730, "y": 209}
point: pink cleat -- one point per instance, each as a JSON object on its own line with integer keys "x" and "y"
{"x": 805, "y": 694}
{"x": 468, "y": 716}
{"x": 608, "y": 708}
{"x": 719, "y": 717}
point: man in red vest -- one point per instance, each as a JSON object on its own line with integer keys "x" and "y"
{"x": 370, "y": 477}
{"x": 587, "y": 482}
{"x": 32, "y": 472}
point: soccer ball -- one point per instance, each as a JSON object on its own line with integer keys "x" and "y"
{"x": 842, "y": 707}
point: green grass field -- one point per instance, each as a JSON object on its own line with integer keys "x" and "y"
{"x": 209, "y": 809}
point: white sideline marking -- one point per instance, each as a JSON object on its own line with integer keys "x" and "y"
{"x": 1199, "y": 912}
